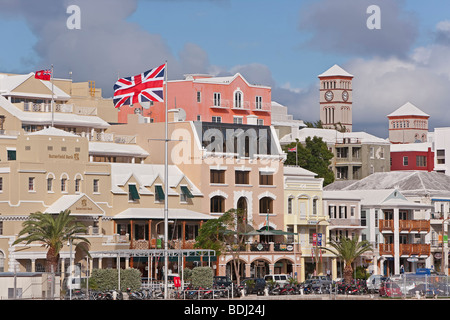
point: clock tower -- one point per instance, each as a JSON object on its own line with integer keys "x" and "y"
{"x": 336, "y": 98}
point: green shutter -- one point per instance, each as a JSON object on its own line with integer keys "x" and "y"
{"x": 159, "y": 192}
{"x": 11, "y": 154}
{"x": 186, "y": 191}
{"x": 133, "y": 192}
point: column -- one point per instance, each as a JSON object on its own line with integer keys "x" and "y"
{"x": 33, "y": 265}
{"x": 396, "y": 242}
{"x": 375, "y": 266}
{"x": 334, "y": 270}
{"x": 302, "y": 270}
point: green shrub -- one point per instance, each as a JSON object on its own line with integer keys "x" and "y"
{"x": 107, "y": 279}
{"x": 202, "y": 277}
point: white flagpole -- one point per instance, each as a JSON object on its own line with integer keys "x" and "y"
{"x": 52, "y": 104}
{"x": 166, "y": 192}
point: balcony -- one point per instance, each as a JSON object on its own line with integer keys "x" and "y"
{"x": 405, "y": 225}
{"x": 272, "y": 247}
{"x": 405, "y": 249}
{"x": 261, "y": 107}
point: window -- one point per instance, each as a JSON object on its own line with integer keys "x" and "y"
{"x": 77, "y": 184}
{"x": 242, "y": 177}
{"x": 11, "y": 155}
{"x": 217, "y": 204}
{"x": 405, "y": 161}
{"x": 332, "y": 212}
{"x": 199, "y": 96}
{"x": 133, "y": 194}
{"x": 185, "y": 194}
{"x": 314, "y": 207}
{"x": 49, "y": 184}
{"x": 266, "y": 205}
{"x": 216, "y": 99}
{"x": 265, "y": 179}
{"x": 342, "y": 152}
{"x": 363, "y": 219}
{"x": 216, "y": 119}
{"x": 95, "y": 186}
{"x": 50, "y": 148}
{"x": 159, "y": 194}
{"x": 342, "y": 212}
{"x": 31, "y": 184}
{"x": 63, "y": 184}
{"x": 352, "y": 211}
{"x": 258, "y": 102}
{"x": 260, "y": 122}
{"x": 381, "y": 153}
{"x": 237, "y": 120}
{"x": 372, "y": 152}
{"x": 238, "y": 99}
{"x": 421, "y": 161}
{"x": 290, "y": 205}
{"x": 342, "y": 172}
{"x": 217, "y": 176}
{"x": 1, "y": 184}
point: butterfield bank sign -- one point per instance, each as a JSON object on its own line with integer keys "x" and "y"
{"x": 75, "y": 156}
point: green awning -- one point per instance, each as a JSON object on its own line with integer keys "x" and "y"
{"x": 133, "y": 192}
{"x": 186, "y": 191}
{"x": 160, "y": 192}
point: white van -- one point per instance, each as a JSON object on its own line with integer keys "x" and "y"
{"x": 278, "y": 278}
{"x": 374, "y": 281}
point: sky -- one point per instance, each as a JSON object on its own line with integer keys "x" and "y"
{"x": 284, "y": 44}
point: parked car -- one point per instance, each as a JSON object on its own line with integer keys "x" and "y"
{"x": 374, "y": 282}
{"x": 278, "y": 278}
{"x": 322, "y": 280}
{"x": 222, "y": 281}
{"x": 254, "y": 285}
{"x": 389, "y": 289}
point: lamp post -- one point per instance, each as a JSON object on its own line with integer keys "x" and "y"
{"x": 317, "y": 247}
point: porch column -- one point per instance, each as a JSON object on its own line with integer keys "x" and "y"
{"x": 100, "y": 263}
{"x": 149, "y": 233}
{"x": 334, "y": 270}
{"x": 396, "y": 242}
{"x": 302, "y": 269}
{"x": 375, "y": 267}
{"x": 183, "y": 234}
{"x": 33, "y": 265}
{"x": 127, "y": 262}
{"x": 131, "y": 234}
{"x": 247, "y": 270}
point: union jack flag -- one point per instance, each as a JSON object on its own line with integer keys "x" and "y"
{"x": 147, "y": 86}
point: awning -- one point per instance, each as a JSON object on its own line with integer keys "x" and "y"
{"x": 133, "y": 192}
{"x": 159, "y": 192}
{"x": 186, "y": 191}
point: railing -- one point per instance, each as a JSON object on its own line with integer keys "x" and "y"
{"x": 47, "y": 107}
{"x": 405, "y": 249}
{"x": 270, "y": 247}
{"x": 261, "y": 106}
{"x": 405, "y": 225}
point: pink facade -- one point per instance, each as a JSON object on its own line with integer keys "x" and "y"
{"x": 211, "y": 99}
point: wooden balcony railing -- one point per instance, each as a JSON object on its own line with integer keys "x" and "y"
{"x": 405, "y": 225}
{"x": 405, "y": 249}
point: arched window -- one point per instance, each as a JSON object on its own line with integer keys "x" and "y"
{"x": 217, "y": 204}
{"x": 238, "y": 99}
{"x": 266, "y": 205}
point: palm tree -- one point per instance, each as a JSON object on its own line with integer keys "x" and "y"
{"x": 348, "y": 250}
{"x": 52, "y": 232}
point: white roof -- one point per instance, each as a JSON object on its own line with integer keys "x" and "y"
{"x": 221, "y": 80}
{"x": 402, "y": 147}
{"x": 297, "y": 171}
{"x": 145, "y": 175}
{"x": 158, "y": 213}
{"x": 10, "y": 82}
{"x": 66, "y": 201}
{"x": 45, "y": 118}
{"x": 331, "y": 136}
{"x": 335, "y": 71}
{"x": 408, "y": 109}
{"x": 117, "y": 149}
{"x": 51, "y": 131}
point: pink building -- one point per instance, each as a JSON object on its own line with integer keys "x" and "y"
{"x": 212, "y": 99}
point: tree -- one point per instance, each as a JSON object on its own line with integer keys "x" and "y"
{"x": 313, "y": 156}
{"x": 53, "y": 232}
{"x": 225, "y": 234}
{"x": 348, "y": 250}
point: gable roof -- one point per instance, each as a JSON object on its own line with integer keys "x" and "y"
{"x": 409, "y": 183}
{"x": 408, "y": 109}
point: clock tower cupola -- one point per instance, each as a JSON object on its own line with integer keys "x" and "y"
{"x": 336, "y": 98}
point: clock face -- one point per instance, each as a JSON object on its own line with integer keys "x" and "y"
{"x": 328, "y": 95}
{"x": 345, "y": 95}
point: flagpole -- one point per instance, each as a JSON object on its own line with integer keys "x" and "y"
{"x": 166, "y": 191}
{"x": 52, "y": 103}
